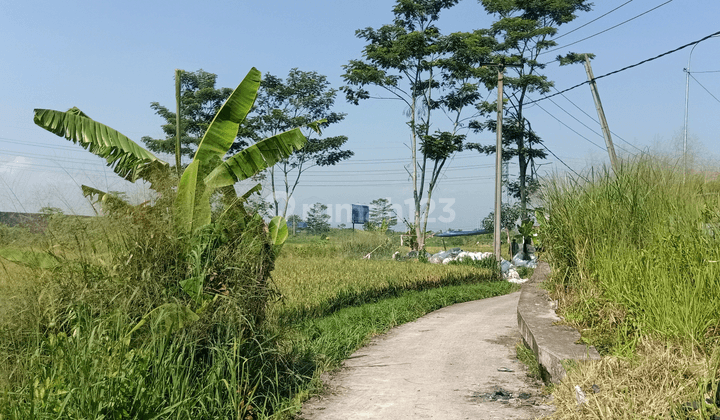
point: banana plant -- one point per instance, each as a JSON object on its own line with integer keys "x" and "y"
{"x": 207, "y": 172}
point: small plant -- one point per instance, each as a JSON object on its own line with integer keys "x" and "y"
{"x": 524, "y": 272}
{"x": 528, "y": 358}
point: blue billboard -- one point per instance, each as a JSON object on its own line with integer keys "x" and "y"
{"x": 360, "y": 214}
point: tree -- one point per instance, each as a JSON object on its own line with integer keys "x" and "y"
{"x": 381, "y": 210}
{"x": 430, "y": 74}
{"x": 509, "y": 214}
{"x": 294, "y": 221}
{"x": 303, "y": 98}
{"x": 199, "y": 102}
{"x": 524, "y": 32}
{"x": 317, "y": 219}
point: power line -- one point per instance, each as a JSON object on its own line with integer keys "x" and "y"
{"x": 574, "y": 131}
{"x": 596, "y": 121}
{"x": 571, "y": 129}
{"x": 706, "y": 90}
{"x": 603, "y": 31}
{"x": 566, "y": 165}
{"x": 708, "y": 71}
{"x": 624, "y": 68}
{"x": 597, "y": 18}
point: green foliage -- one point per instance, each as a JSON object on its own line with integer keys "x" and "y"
{"x": 431, "y": 74}
{"x": 199, "y": 102}
{"x": 523, "y": 32}
{"x": 381, "y": 212}
{"x": 317, "y": 219}
{"x": 632, "y": 253}
{"x": 305, "y": 100}
{"x": 126, "y": 157}
{"x": 509, "y": 214}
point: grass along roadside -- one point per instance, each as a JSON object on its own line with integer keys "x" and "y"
{"x": 633, "y": 269}
{"x": 69, "y": 347}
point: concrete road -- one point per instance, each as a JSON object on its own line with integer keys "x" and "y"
{"x": 450, "y": 364}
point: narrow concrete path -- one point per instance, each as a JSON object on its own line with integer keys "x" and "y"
{"x": 450, "y": 364}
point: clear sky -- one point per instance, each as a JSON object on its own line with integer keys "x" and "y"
{"x": 112, "y": 59}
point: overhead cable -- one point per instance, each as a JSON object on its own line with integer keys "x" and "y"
{"x": 624, "y": 68}
{"x": 706, "y": 90}
{"x": 596, "y": 121}
{"x": 597, "y": 18}
{"x": 603, "y": 31}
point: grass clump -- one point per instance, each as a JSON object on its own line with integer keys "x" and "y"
{"x": 634, "y": 262}
{"x": 527, "y": 357}
{"x": 633, "y": 255}
{"x": 111, "y": 333}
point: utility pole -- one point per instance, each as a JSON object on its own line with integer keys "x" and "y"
{"x": 601, "y": 115}
{"x": 178, "y": 131}
{"x": 498, "y": 166}
{"x": 498, "y": 157}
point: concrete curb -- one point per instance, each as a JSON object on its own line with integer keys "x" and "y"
{"x": 554, "y": 345}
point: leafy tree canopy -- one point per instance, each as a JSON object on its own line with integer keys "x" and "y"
{"x": 200, "y": 101}
{"x": 303, "y": 98}
{"x": 523, "y": 32}
{"x": 318, "y": 219}
{"x": 381, "y": 210}
{"x": 432, "y": 75}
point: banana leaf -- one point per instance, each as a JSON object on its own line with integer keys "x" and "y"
{"x": 106, "y": 200}
{"x": 191, "y": 210}
{"x": 123, "y": 155}
{"x": 224, "y": 128}
{"x": 256, "y": 158}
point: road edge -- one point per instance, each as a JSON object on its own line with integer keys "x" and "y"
{"x": 555, "y": 346}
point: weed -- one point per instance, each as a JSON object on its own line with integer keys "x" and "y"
{"x": 527, "y": 357}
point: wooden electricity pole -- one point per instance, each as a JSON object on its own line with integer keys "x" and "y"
{"x": 601, "y": 115}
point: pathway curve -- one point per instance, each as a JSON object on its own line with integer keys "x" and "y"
{"x": 450, "y": 364}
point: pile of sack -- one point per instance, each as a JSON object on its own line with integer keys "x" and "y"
{"x": 508, "y": 268}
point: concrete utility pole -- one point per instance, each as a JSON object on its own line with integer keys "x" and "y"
{"x": 498, "y": 166}
{"x": 601, "y": 115}
{"x": 498, "y": 157}
{"x": 178, "y": 73}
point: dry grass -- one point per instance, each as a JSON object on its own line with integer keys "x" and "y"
{"x": 655, "y": 384}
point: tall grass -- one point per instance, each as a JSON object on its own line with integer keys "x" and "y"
{"x": 635, "y": 257}
{"x": 635, "y": 253}
{"x": 108, "y": 333}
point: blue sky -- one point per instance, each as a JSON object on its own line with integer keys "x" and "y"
{"x": 112, "y": 59}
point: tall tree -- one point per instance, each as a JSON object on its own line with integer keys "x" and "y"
{"x": 301, "y": 99}
{"x": 199, "y": 102}
{"x": 431, "y": 74}
{"x": 524, "y": 31}
{"x": 381, "y": 210}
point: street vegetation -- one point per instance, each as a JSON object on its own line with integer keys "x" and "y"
{"x": 86, "y": 339}
{"x": 635, "y": 268}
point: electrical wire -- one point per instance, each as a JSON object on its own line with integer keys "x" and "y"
{"x": 603, "y": 31}
{"x": 624, "y": 68}
{"x": 566, "y": 165}
{"x": 706, "y": 90}
{"x": 571, "y": 129}
{"x": 597, "y": 18}
{"x": 596, "y": 121}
